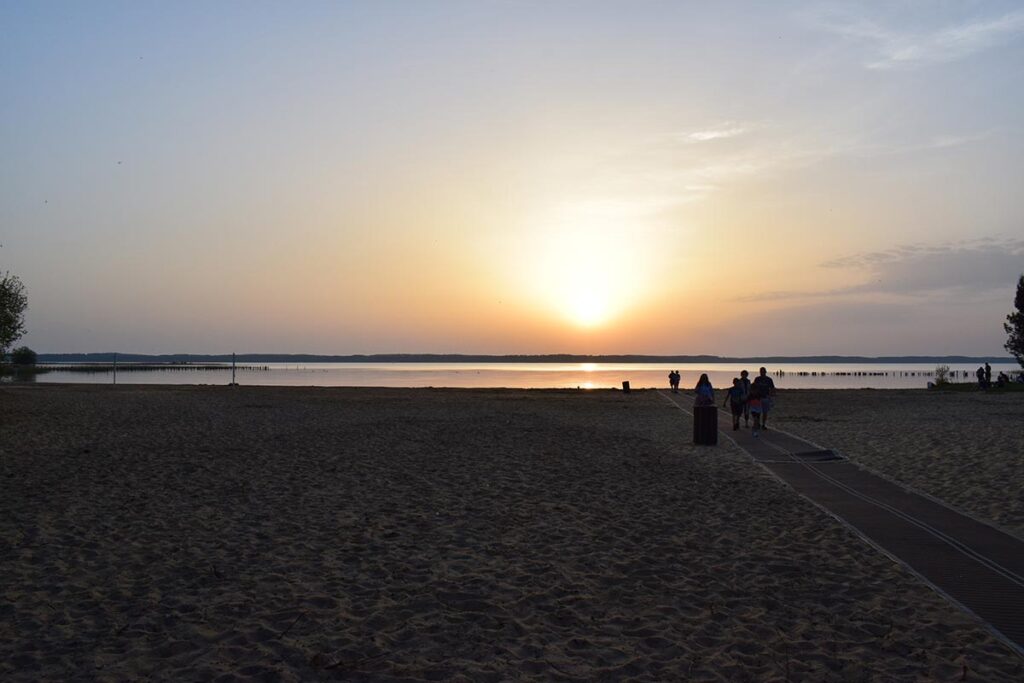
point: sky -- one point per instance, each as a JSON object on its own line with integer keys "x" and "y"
{"x": 730, "y": 178}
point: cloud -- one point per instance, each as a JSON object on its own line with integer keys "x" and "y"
{"x": 936, "y": 142}
{"x": 946, "y": 141}
{"x": 643, "y": 182}
{"x": 723, "y": 130}
{"x": 894, "y": 49}
{"x": 961, "y": 270}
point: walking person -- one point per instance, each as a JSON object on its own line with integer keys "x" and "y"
{"x": 735, "y": 397}
{"x": 704, "y": 391}
{"x": 767, "y": 391}
{"x": 754, "y": 399}
{"x": 745, "y": 381}
{"x": 988, "y": 375}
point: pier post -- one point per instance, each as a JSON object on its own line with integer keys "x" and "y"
{"x": 115, "y": 368}
{"x": 233, "y": 369}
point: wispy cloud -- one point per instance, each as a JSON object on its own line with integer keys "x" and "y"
{"x": 728, "y": 129}
{"x": 946, "y": 141}
{"x": 867, "y": 148}
{"x": 960, "y": 269}
{"x": 644, "y": 181}
{"x": 896, "y": 49}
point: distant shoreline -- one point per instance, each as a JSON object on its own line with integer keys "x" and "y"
{"x": 482, "y": 358}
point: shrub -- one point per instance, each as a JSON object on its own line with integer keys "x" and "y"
{"x": 941, "y": 374}
{"x": 1014, "y": 325}
{"x": 23, "y": 356}
{"x": 12, "y": 311}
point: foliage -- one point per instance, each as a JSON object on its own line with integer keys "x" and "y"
{"x": 941, "y": 374}
{"x": 1014, "y": 325}
{"x": 12, "y": 311}
{"x": 23, "y": 356}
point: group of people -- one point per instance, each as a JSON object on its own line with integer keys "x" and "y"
{"x": 673, "y": 381}
{"x": 744, "y": 398}
{"x": 984, "y": 375}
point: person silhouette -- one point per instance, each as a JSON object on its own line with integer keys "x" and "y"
{"x": 745, "y": 381}
{"x": 704, "y": 391}
{"x": 735, "y": 398}
{"x": 765, "y": 388}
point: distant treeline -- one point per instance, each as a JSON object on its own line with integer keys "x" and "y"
{"x": 471, "y": 358}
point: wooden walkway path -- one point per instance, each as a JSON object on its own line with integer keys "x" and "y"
{"x": 977, "y": 567}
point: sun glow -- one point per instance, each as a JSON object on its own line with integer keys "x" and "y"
{"x": 584, "y": 263}
{"x": 585, "y": 305}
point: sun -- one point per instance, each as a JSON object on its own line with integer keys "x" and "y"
{"x": 584, "y": 287}
{"x": 581, "y": 258}
{"x": 586, "y": 307}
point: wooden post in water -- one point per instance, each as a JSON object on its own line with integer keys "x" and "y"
{"x": 115, "y": 368}
{"x": 233, "y": 369}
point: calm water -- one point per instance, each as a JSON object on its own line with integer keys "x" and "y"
{"x": 533, "y": 375}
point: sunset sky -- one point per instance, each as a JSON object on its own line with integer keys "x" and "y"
{"x": 513, "y": 177}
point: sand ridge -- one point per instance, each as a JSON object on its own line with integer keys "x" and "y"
{"x": 361, "y": 534}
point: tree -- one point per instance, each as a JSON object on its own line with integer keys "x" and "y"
{"x": 12, "y": 311}
{"x": 23, "y": 356}
{"x": 1014, "y": 325}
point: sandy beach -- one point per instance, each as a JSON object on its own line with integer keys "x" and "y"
{"x": 251, "y": 533}
{"x": 965, "y": 448}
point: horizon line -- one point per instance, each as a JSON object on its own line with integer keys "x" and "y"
{"x": 537, "y": 357}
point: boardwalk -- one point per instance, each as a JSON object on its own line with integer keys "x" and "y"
{"x": 974, "y": 565}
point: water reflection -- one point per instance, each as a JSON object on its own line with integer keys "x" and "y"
{"x": 527, "y": 375}
{"x": 20, "y": 374}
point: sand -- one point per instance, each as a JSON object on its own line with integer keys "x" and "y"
{"x": 314, "y": 534}
{"x": 965, "y": 448}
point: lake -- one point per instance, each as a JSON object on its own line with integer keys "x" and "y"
{"x": 530, "y": 375}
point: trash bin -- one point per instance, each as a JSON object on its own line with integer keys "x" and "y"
{"x": 705, "y": 425}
